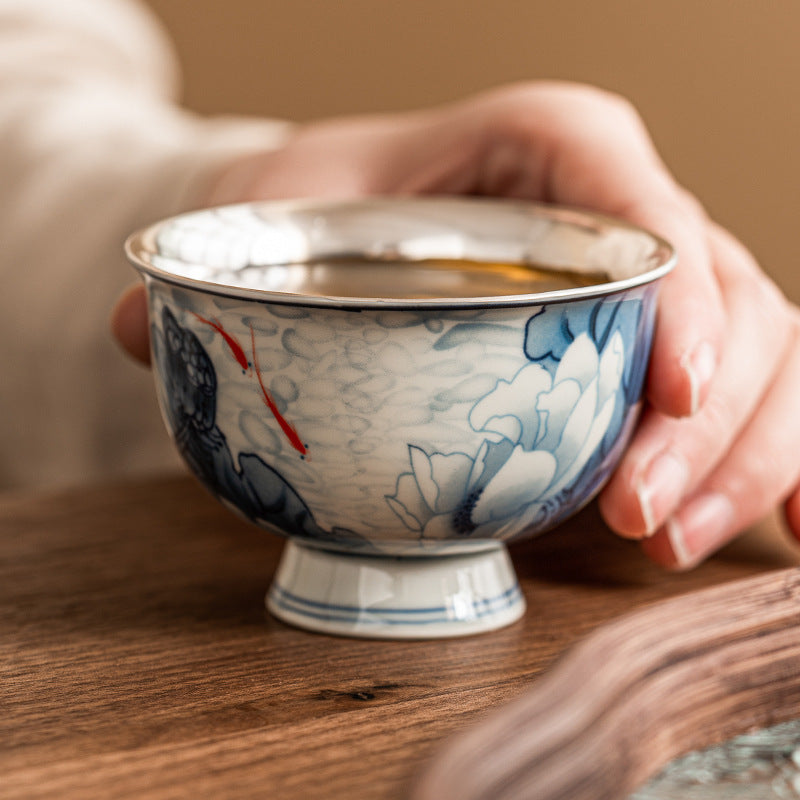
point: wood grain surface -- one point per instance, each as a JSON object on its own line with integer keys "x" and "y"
{"x": 136, "y": 659}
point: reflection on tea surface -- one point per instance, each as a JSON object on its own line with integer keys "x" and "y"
{"x": 412, "y": 280}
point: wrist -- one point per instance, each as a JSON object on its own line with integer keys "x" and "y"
{"x": 235, "y": 181}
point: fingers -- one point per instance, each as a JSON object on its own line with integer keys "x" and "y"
{"x": 695, "y": 482}
{"x": 759, "y": 471}
{"x": 129, "y": 323}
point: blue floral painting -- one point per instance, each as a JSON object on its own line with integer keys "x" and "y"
{"x": 530, "y": 447}
{"x": 247, "y": 484}
{"x": 542, "y": 435}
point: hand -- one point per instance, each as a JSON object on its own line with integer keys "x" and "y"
{"x": 715, "y": 449}
{"x": 697, "y": 481}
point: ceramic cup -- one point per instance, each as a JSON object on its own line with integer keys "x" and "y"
{"x": 386, "y": 383}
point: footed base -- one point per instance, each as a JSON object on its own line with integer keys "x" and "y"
{"x": 395, "y": 598}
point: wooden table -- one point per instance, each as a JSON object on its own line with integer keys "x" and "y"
{"x": 137, "y": 660}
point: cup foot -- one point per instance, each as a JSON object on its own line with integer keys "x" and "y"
{"x": 395, "y": 598}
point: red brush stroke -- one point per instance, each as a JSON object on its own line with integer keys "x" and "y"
{"x": 235, "y": 347}
{"x": 288, "y": 429}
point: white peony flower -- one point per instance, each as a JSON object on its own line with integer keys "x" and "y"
{"x": 538, "y": 432}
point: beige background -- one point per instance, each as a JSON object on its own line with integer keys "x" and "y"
{"x": 715, "y": 80}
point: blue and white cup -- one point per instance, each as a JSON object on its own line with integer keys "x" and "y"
{"x": 399, "y": 425}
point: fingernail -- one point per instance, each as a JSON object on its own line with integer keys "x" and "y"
{"x": 660, "y": 488}
{"x": 699, "y": 365}
{"x": 700, "y": 528}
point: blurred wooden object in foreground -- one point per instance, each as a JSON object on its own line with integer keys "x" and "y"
{"x": 681, "y": 675}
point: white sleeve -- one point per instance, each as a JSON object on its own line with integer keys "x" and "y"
{"x": 92, "y": 146}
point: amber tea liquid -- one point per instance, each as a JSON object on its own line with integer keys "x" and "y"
{"x": 429, "y": 278}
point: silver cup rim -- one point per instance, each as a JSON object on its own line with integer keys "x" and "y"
{"x": 296, "y": 219}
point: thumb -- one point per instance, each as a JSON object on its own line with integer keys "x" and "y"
{"x": 129, "y": 323}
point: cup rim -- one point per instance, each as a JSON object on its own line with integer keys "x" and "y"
{"x": 141, "y": 248}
